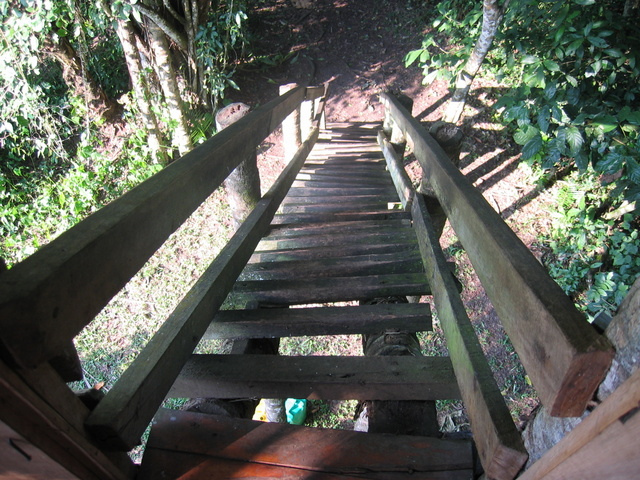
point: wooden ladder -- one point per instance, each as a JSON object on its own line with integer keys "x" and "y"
{"x": 342, "y": 236}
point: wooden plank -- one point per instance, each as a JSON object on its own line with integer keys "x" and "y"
{"x": 322, "y": 199}
{"x": 343, "y": 172}
{"x": 311, "y": 93}
{"x": 338, "y": 208}
{"x": 316, "y": 450}
{"x": 405, "y": 235}
{"x": 576, "y": 450}
{"x": 338, "y": 216}
{"x": 343, "y": 182}
{"x": 19, "y": 459}
{"x": 330, "y": 252}
{"x": 292, "y": 322}
{"x": 287, "y": 231}
{"x": 401, "y": 180}
{"x": 342, "y": 191}
{"x": 316, "y": 377}
{"x": 27, "y": 413}
{"x": 50, "y": 296}
{"x": 360, "y": 265}
{"x": 499, "y": 444}
{"x": 122, "y": 416}
{"x": 564, "y": 356}
{"x": 613, "y": 454}
{"x": 333, "y": 289}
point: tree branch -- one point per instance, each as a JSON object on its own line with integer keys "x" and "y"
{"x": 156, "y": 18}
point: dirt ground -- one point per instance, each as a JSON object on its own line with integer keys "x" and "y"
{"x": 359, "y": 49}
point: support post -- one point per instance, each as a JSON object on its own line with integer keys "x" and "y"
{"x": 243, "y": 184}
{"x": 306, "y": 117}
{"x": 291, "y": 135}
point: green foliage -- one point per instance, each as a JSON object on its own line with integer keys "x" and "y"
{"x": 220, "y": 44}
{"x": 593, "y": 259}
{"x": 571, "y": 68}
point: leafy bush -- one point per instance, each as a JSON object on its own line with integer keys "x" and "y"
{"x": 571, "y": 68}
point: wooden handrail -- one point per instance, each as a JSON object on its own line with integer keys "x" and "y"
{"x": 564, "y": 356}
{"x": 49, "y": 297}
{"x": 497, "y": 439}
{"x": 122, "y": 416}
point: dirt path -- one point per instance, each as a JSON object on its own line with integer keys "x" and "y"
{"x": 359, "y": 50}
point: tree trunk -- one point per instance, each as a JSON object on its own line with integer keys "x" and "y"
{"x": 491, "y": 19}
{"x": 167, "y": 79}
{"x": 398, "y": 417}
{"x": 141, "y": 89}
{"x": 243, "y": 184}
{"x": 80, "y": 80}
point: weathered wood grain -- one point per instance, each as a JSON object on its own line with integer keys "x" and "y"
{"x": 338, "y": 208}
{"x": 330, "y": 252}
{"x": 337, "y": 378}
{"x": 564, "y": 356}
{"x": 49, "y": 297}
{"x": 401, "y": 235}
{"x": 291, "y": 322}
{"x": 28, "y": 413}
{"x": 122, "y": 416}
{"x": 355, "y": 265}
{"x": 334, "y": 289}
{"x": 364, "y": 226}
{"x": 341, "y": 191}
{"x": 316, "y": 450}
{"x": 604, "y": 445}
{"x": 498, "y": 441}
{"x": 338, "y": 216}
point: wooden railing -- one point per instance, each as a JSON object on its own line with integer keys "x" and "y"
{"x": 46, "y": 300}
{"x": 563, "y": 355}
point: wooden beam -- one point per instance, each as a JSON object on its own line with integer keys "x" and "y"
{"x": 122, "y": 416}
{"x": 329, "y": 289}
{"x": 604, "y": 445}
{"x": 401, "y": 180}
{"x": 30, "y": 415}
{"x": 291, "y": 322}
{"x": 564, "y": 356}
{"x": 337, "y": 378}
{"x": 499, "y": 444}
{"x": 317, "y": 253}
{"x": 315, "y": 450}
{"x": 49, "y": 297}
{"x": 356, "y": 265}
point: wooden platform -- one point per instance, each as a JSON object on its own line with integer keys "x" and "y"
{"x": 190, "y": 445}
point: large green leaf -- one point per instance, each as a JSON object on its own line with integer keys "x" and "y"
{"x": 574, "y": 139}
{"x": 532, "y": 147}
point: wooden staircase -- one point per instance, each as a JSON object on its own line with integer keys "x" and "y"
{"x": 342, "y": 236}
{"x": 342, "y": 223}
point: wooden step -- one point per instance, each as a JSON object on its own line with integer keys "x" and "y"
{"x": 355, "y": 265}
{"x": 199, "y": 446}
{"x": 293, "y": 230}
{"x": 292, "y": 322}
{"x": 322, "y": 199}
{"x": 316, "y": 253}
{"x": 338, "y": 216}
{"x": 404, "y": 235}
{"x": 317, "y": 377}
{"x": 340, "y": 208}
{"x": 345, "y": 182}
{"x": 343, "y": 191}
{"x": 331, "y": 289}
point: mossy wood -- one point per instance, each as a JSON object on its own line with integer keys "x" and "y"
{"x": 564, "y": 356}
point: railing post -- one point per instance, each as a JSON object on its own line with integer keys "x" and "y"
{"x": 392, "y": 130}
{"x": 243, "y": 184}
{"x": 291, "y": 135}
{"x": 306, "y": 117}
